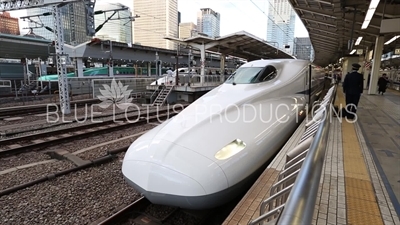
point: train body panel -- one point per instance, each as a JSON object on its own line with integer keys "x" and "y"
{"x": 209, "y": 150}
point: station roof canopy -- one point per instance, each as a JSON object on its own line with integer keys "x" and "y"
{"x": 105, "y": 49}
{"x": 240, "y": 44}
{"x": 17, "y": 47}
{"x": 330, "y": 25}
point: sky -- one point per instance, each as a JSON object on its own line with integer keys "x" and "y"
{"x": 236, "y": 15}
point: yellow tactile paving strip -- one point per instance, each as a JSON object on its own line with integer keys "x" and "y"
{"x": 362, "y": 206}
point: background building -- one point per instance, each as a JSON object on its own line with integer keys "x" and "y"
{"x": 208, "y": 22}
{"x": 303, "y": 49}
{"x": 116, "y": 29}
{"x": 8, "y": 24}
{"x": 187, "y": 30}
{"x": 179, "y": 22}
{"x": 281, "y": 24}
{"x": 158, "y": 18}
{"x": 74, "y": 22}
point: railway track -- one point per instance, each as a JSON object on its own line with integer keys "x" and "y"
{"x": 136, "y": 211}
{"x": 42, "y": 108}
{"x": 21, "y": 144}
{"x": 93, "y": 117}
{"x": 143, "y": 212}
{"x": 121, "y": 215}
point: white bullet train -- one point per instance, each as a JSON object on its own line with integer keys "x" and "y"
{"x": 202, "y": 157}
{"x": 170, "y": 78}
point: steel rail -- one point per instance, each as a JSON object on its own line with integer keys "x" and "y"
{"x": 114, "y": 218}
{"x": 60, "y": 135}
{"x": 31, "y": 109}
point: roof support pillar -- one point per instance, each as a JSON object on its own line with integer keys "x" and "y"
{"x": 364, "y": 70}
{"x": 203, "y": 60}
{"x": 376, "y": 65}
{"x": 26, "y": 71}
{"x": 222, "y": 66}
{"x": 111, "y": 68}
{"x": 149, "y": 69}
{"x": 78, "y": 66}
{"x": 202, "y": 47}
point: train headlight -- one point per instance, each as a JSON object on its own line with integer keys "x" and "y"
{"x": 230, "y": 149}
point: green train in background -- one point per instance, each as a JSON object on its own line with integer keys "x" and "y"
{"x": 103, "y": 71}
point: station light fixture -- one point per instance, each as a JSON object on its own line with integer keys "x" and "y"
{"x": 371, "y": 11}
{"x": 358, "y": 40}
{"x": 352, "y": 52}
{"x": 391, "y": 40}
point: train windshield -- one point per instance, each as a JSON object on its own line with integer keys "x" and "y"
{"x": 251, "y": 75}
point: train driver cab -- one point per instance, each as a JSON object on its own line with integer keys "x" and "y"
{"x": 252, "y": 75}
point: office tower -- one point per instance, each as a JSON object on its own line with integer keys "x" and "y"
{"x": 158, "y": 18}
{"x": 8, "y": 24}
{"x": 186, "y": 30}
{"x": 281, "y": 24}
{"x": 208, "y": 22}
{"x": 119, "y": 28}
{"x": 73, "y": 20}
{"x": 303, "y": 49}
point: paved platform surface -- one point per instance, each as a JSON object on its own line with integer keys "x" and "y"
{"x": 352, "y": 188}
{"x": 360, "y": 183}
{"x": 380, "y": 123}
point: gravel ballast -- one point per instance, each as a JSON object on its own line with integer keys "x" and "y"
{"x": 22, "y": 159}
{"x": 32, "y": 173}
{"x": 78, "y": 198}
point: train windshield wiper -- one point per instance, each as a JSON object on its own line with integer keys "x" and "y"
{"x": 233, "y": 79}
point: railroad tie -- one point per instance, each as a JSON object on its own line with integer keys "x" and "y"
{"x": 76, "y": 160}
{"x": 64, "y": 154}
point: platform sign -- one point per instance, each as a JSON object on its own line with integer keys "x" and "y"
{"x": 370, "y": 54}
{"x": 397, "y": 51}
{"x": 360, "y": 51}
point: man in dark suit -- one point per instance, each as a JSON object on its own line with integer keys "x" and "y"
{"x": 353, "y": 88}
{"x": 382, "y": 83}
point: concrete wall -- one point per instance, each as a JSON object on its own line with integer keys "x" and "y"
{"x": 135, "y": 85}
{"x": 92, "y": 86}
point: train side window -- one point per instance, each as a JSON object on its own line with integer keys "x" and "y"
{"x": 269, "y": 73}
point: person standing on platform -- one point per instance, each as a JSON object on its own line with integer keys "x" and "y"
{"x": 339, "y": 76}
{"x": 353, "y": 86}
{"x": 382, "y": 83}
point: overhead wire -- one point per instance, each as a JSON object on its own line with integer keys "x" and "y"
{"x": 143, "y": 14}
{"x": 113, "y": 22}
{"x": 268, "y": 16}
{"x": 133, "y": 27}
{"x": 287, "y": 25}
{"x": 196, "y": 2}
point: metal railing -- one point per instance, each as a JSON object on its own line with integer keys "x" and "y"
{"x": 292, "y": 197}
{"x": 300, "y": 205}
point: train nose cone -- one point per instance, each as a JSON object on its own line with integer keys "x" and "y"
{"x": 169, "y": 174}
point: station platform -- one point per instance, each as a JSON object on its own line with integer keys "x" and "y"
{"x": 360, "y": 182}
